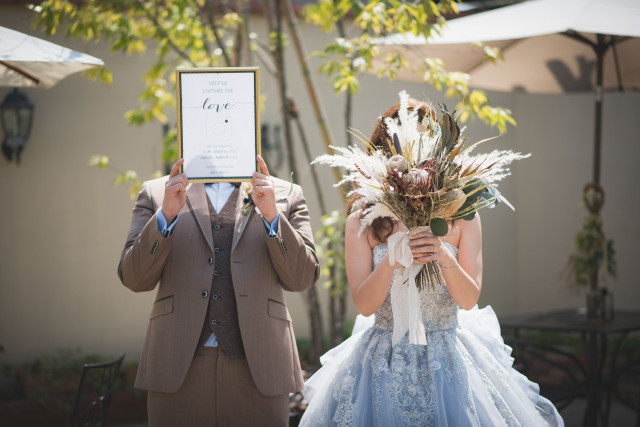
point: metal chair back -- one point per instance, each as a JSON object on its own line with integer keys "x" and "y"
{"x": 94, "y": 393}
{"x": 567, "y": 370}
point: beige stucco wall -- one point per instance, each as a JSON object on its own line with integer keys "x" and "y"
{"x": 63, "y": 223}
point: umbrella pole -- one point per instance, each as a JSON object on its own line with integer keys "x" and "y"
{"x": 597, "y": 140}
{"x": 600, "y": 48}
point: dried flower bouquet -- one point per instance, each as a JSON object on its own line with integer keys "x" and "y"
{"x": 428, "y": 180}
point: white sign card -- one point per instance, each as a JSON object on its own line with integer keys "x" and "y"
{"x": 218, "y": 123}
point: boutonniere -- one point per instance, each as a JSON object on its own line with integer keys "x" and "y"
{"x": 246, "y": 191}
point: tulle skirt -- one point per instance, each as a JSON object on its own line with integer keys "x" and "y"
{"x": 463, "y": 377}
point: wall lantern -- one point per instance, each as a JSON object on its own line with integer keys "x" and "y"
{"x": 16, "y": 114}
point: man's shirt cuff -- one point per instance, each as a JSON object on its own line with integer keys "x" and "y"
{"x": 162, "y": 224}
{"x": 272, "y": 229}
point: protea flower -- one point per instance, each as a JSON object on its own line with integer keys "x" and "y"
{"x": 418, "y": 182}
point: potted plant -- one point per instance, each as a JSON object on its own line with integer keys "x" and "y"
{"x": 593, "y": 258}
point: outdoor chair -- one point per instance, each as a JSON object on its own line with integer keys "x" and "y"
{"x": 94, "y": 393}
{"x": 626, "y": 387}
{"x": 552, "y": 367}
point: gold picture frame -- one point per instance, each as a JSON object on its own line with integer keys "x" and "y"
{"x": 218, "y": 122}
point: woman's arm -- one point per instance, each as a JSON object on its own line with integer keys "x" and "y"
{"x": 368, "y": 287}
{"x": 464, "y": 276}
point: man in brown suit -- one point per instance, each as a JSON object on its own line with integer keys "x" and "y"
{"x": 220, "y": 349}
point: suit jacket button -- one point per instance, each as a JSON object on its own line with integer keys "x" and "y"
{"x": 216, "y": 250}
{"x": 217, "y": 227}
{"x": 215, "y": 296}
{"x": 215, "y": 272}
{"x": 214, "y": 322}
{"x": 205, "y": 293}
{"x": 210, "y": 260}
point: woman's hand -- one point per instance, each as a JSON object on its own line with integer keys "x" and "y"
{"x": 427, "y": 247}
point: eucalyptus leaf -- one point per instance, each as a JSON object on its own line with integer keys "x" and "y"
{"x": 439, "y": 226}
{"x": 469, "y": 201}
{"x": 473, "y": 185}
{"x": 470, "y": 216}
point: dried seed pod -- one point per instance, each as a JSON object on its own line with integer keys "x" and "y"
{"x": 449, "y": 202}
{"x": 398, "y": 163}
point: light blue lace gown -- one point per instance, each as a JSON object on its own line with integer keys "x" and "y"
{"x": 462, "y": 377}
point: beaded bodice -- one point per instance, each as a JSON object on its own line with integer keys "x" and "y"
{"x": 439, "y": 311}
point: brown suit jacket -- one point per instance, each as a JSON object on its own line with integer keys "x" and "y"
{"x": 179, "y": 265}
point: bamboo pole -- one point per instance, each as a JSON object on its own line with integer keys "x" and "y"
{"x": 307, "y": 153}
{"x": 282, "y": 89}
{"x": 311, "y": 296}
{"x": 311, "y": 88}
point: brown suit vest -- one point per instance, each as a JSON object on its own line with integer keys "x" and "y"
{"x": 222, "y": 313}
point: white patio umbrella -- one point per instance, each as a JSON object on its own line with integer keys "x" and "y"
{"x": 549, "y": 46}
{"x": 27, "y": 61}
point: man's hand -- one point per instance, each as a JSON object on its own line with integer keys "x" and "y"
{"x": 264, "y": 195}
{"x": 175, "y": 193}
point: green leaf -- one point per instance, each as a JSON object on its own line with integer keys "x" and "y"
{"x": 470, "y": 216}
{"x": 100, "y": 161}
{"x": 439, "y": 226}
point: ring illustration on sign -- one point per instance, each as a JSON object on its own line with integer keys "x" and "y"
{"x": 218, "y": 128}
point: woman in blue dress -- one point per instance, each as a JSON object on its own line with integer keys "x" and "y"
{"x": 463, "y": 376}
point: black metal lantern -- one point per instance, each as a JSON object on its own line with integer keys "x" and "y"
{"x": 16, "y": 113}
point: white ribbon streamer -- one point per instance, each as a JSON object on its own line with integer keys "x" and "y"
{"x": 405, "y": 303}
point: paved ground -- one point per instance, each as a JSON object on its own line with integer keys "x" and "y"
{"x": 620, "y": 415}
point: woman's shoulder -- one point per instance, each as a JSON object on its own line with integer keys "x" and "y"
{"x": 356, "y": 215}
{"x": 353, "y": 222}
{"x": 466, "y": 230}
{"x": 469, "y": 224}
{"x": 354, "y": 229}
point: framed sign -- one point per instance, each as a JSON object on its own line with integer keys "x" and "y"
{"x": 218, "y": 123}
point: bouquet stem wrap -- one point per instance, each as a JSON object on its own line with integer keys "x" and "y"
{"x": 405, "y": 300}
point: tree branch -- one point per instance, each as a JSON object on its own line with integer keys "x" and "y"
{"x": 162, "y": 31}
{"x": 201, "y": 15}
{"x": 219, "y": 40}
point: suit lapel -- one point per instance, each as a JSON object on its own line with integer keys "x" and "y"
{"x": 241, "y": 219}
{"x": 197, "y": 202}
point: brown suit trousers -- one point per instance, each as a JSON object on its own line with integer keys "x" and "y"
{"x": 218, "y": 392}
